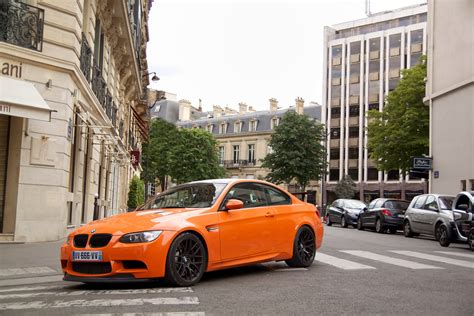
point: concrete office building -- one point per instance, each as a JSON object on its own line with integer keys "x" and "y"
{"x": 72, "y": 109}
{"x": 362, "y": 62}
{"x": 450, "y": 94}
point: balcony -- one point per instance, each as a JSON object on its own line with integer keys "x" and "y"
{"x": 21, "y": 24}
{"x": 99, "y": 86}
{"x": 86, "y": 58}
{"x": 238, "y": 163}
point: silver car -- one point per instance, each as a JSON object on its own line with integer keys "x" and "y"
{"x": 430, "y": 214}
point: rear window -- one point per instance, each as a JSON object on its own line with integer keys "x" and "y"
{"x": 446, "y": 202}
{"x": 397, "y": 205}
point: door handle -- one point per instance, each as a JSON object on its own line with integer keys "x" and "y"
{"x": 268, "y": 214}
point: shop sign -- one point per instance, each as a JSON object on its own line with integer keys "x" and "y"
{"x": 135, "y": 158}
{"x": 422, "y": 163}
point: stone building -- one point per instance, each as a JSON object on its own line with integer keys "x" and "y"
{"x": 72, "y": 112}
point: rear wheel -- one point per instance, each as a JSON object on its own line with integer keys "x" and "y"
{"x": 328, "y": 221}
{"x": 379, "y": 226}
{"x": 443, "y": 235}
{"x": 407, "y": 229}
{"x": 304, "y": 248}
{"x": 186, "y": 261}
{"x": 470, "y": 239}
{"x": 343, "y": 221}
{"x": 359, "y": 224}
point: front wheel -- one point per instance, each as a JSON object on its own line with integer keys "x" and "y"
{"x": 343, "y": 221}
{"x": 470, "y": 239}
{"x": 186, "y": 261}
{"x": 304, "y": 249}
{"x": 443, "y": 235}
{"x": 359, "y": 224}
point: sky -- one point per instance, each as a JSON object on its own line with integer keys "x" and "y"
{"x": 229, "y": 51}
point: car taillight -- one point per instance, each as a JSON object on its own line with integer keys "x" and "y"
{"x": 387, "y": 212}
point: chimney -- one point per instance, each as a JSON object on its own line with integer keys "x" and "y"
{"x": 242, "y": 108}
{"x": 184, "y": 110}
{"x": 251, "y": 109}
{"x": 273, "y": 104}
{"x": 299, "y": 105}
{"x": 217, "y": 110}
{"x": 228, "y": 110}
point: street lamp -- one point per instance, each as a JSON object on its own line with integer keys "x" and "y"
{"x": 154, "y": 78}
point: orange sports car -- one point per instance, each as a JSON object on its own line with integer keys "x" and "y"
{"x": 193, "y": 228}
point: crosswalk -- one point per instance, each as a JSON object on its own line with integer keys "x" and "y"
{"x": 442, "y": 259}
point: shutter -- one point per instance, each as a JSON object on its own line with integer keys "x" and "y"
{"x": 4, "y": 133}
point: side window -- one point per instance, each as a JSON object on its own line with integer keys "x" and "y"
{"x": 431, "y": 203}
{"x": 379, "y": 204}
{"x": 336, "y": 203}
{"x": 276, "y": 197}
{"x": 419, "y": 203}
{"x": 463, "y": 203}
{"x": 372, "y": 204}
{"x": 250, "y": 194}
{"x": 413, "y": 202}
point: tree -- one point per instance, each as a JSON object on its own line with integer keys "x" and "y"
{"x": 401, "y": 130}
{"x": 136, "y": 193}
{"x": 345, "y": 188}
{"x": 298, "y": 151}
{"x": 157, "y": 151}
{"x": 195, "y": 156}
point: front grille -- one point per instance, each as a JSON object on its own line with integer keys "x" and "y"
{"x": 99, "y": 240}
{"x": 92, "y": 267}
{"x": 133, "y": 264}
{"x": 80, "y": 241}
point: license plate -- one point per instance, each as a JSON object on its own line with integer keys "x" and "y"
{"x": 87, "y": 256}
{"x": 401, "y": 215}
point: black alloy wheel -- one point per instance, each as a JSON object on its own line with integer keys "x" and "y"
{"x": 442, "y": 235}
{"x": 379, "y": 226}
{"x": 359, "y": 224}
{"x": 343, "y": 221}
{"x": 186, "y": 261}
{"x": 328, "y": 221}
{"x": 470, "y": 239}
{"x": 407, "y": 232}
{"x": 304, "y": 249}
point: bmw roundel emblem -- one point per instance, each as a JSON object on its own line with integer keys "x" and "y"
{"x": 93, "y": 231}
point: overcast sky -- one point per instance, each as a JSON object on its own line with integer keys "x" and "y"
{"x": 230, "y": 51}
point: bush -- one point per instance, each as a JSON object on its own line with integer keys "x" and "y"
{"x": 136, "y": 193}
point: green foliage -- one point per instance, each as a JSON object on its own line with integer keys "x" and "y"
{"x": 401, "y": 131}
{"x": 345, "y": 188}
{"x": 298, "y": 151}
{"x": 136, "y": 193}
{"x": 195, "y": 156}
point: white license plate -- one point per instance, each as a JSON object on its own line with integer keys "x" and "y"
{"x": 87, "y": 256}
{"x": 401, "y": 215}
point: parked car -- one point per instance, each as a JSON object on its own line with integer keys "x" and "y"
{"x": 463, "y": 219}
{"x": 193, "y": 228}
{"x": 344, "y": 212}
{"x": 430, "y": 214}
{"x": 383, "y": 214}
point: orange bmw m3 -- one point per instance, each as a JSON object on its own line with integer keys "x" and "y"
{"x": 193, "y": 228}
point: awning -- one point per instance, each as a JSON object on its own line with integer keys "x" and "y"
{"x": 20, "y": 98}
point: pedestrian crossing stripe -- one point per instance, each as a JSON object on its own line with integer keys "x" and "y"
{"x": 341, "y": 263}
{"x": 389, "y": 260}
{"x": 456, "y": 262}
{"x": 465, "y": 255}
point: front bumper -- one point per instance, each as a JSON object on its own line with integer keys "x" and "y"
{"x": 351, "y": 219}
{"x": 116, "y": 257}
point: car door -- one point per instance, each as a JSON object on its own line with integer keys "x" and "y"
{"x": 335, "y": 212}
{"x": 364, "y": 214}
{"x": 372, "y": 214}
{"x": 417, "y": 214}
{"x": 429, "y": 215}
{"x": 248, "y": 231}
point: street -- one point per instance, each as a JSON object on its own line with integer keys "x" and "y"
{"x": 355, "y": 272}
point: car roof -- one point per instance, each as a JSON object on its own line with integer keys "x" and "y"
{"x": 437, "y": 195}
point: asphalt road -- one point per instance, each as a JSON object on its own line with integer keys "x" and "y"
{"x": 356, "y": 272}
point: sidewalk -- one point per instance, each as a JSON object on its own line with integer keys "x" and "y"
{"x": 30, "y": 263}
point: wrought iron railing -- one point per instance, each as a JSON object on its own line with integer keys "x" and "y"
{"x": 21, "y": 24}
{"x": 238, "y": 163}
{"x": 99, "y": 86}
{"x": 86, "y": 58}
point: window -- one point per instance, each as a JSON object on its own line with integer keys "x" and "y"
{"x": 269, "y": 149}
{"x": 379, "y": 203}
{"x": 275, "y": 122}
{"x": 251, "y": 151}
{"x": 221, "y": 154}
{"x": 210, "y": 128}
{"x": 335, "y": 112}
{"x": 354, "y": 131}
{"x": 372, "y": 174}
{"x": 354, "y": 174}
{"x": 354, "y": 110}
{"x": 333, "y": 174}
{"x": 335, "y": 133}
{"x": 236, "y": 153}
{"x": 353, "y": 153}
{"x": 275, "y": 196}
{"x": 374, "y": 106}
{"x": 334, "y": 153}
{"x": 393, "y": 175}
{"x": 431, "y": 204}
{"x": 419, "y": 202}
{"x": 446, "y": 202}
{"x": 253, "y": 126}
{"x": 237, "y": 127}
{"x": 223, "y": 128}
{"x": 396, "y": 205}
{"x": 463, "y": 185}
{"x": 251, "y": 194}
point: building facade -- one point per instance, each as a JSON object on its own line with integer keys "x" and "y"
{"x": 450, "y": 95}
{"x": 363, "y": 59}
{"x": 72, "y": 112}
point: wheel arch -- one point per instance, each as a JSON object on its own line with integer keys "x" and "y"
{"x": 198, "y": 235}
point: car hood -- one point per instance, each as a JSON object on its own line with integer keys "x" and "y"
{"x": 354, "y": 210}
{"x": 159, "y": 219}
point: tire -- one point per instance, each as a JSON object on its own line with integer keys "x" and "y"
{"x": 328, "y": 221}
{"x": 407, "y": 232}
{"x": 359, "y": 224}
{"x": 304, "y": 249}
{"x": 443, "y": 235}
{"x": 379, "y": 226}
{"x": 186, "y": 261}
{"x": 343, "y": 221}
{"x": 392, "y": 230}
{"x": 470, "y": 239}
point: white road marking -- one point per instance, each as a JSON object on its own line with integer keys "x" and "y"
{"x": 456, "y": 262}
{"x": 100, "y": 303}
{"x": 20, "y": 271}
{"x": 98, "y": 292}
{"x": 149, "y": 314}
{"x": 389, "y": 260}
{"x": 290, "y": 269}
{"x": 465, "y": 255}
{"x": 340, "y": 263}
{"x": 31, "y": 288}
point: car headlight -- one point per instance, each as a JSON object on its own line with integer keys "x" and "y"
{"x": 140, "y": 237}
{"x": 457, "y": 216}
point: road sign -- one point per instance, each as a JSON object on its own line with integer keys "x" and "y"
{"x": 422, "y": 163}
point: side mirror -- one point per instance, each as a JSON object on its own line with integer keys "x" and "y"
{"x": 364, "y": 209}
{"x": 234, "y": 204}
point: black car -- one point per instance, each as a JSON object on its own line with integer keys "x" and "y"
{"x": 463, "y": 216}
{"x": 344, "y": 212}
{"x": 383, "y": 214}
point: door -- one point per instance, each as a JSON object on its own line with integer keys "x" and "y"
{"x": 4, "y": 134}
{"x": 364, "y": 214}
{"x": 372, "y": 213}
{"x": 429, "y": 215}
{"x": 335, "y": 211}
{"x": 248, "y": 231}
{"x": 416, "y": 214}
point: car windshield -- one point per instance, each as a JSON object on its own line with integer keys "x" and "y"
{"x": 354, "y": 204}
{"x": 193, "y": 195}
{"x": 446, "y": 202}
{"x": 397, "y": 205}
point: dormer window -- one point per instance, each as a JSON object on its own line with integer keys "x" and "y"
{"x": 223, "y": 128}
{"x": 210, "y": 128}
{"x": 253, "y": 126}
{"x": 238, "y": 127}
{"x": 274, "y": 122}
